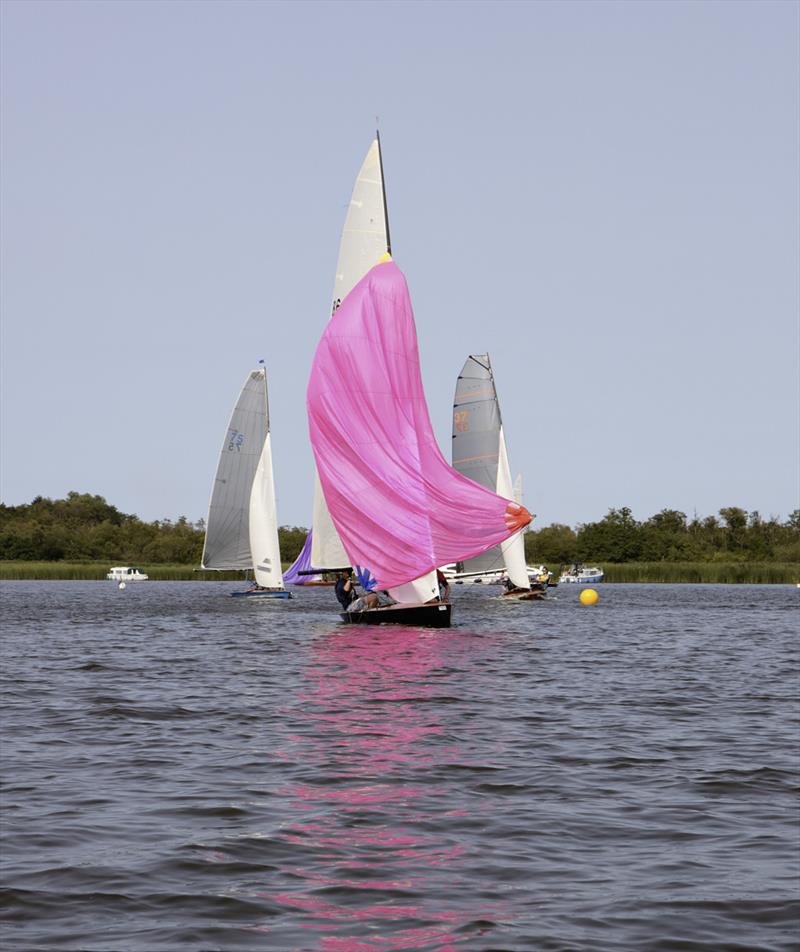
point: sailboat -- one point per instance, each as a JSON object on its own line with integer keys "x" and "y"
{"x": 398, "y": 508}
{"x": 242, "y": 525}
{"x": 479, "y": 452}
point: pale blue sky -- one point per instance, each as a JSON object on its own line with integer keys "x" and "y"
{"x": 603, "y": 196}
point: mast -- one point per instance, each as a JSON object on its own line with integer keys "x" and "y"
{"x": 383, "y": 192}
{"x": 266, "y": 399}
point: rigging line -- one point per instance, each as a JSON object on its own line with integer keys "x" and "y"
{"x": 383, "y": 192}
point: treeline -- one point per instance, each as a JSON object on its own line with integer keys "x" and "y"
{"x": 87, "y": 528}
{"x": 734, "y": 535}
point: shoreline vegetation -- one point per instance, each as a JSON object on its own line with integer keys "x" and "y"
{"x": 83, "y": 536}
{"x": 751, "y": 573}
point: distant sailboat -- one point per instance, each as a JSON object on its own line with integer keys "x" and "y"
{"x": 398, "y": 508}
{"x": 479, "y": 453}
{"x": 242, "y": 525}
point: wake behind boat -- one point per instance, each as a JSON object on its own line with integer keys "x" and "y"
{"x": 242, "y": 525}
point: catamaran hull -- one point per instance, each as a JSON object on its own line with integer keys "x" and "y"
{"x": 261, "y": 594}
{"x": 420, "y": 616}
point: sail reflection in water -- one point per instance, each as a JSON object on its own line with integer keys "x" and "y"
{"x": 382, "y": 834}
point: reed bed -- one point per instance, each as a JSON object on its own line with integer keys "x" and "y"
{"x": 752, "y": 573}
{"x": 93, "y": 571}
{"x": 768, "y": 573}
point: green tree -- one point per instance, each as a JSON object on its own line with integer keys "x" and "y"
{"x": 551, "y": 545}
{"x": 616, "y": 538}
{"x": 291, "y": 540}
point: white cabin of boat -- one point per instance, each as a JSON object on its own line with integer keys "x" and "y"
{"x": 125, "y": 573}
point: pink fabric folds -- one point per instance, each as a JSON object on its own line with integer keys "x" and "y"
{"x": 399, "y": 508}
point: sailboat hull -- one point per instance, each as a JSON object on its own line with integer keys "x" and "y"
{"x": 282, "y": 594}
{"x": 436, "y": 615}
{"x": 531, "y": 596}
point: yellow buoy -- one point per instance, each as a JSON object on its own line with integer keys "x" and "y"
{"x": 589, "y": 597}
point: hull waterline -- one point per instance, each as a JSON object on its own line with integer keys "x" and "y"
{"x": 420, "y": 616}
{"x": 282, "y": 594}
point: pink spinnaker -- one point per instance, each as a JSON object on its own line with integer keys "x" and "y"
{"x": 400, "y": 509}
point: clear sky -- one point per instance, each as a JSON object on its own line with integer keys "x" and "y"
{"x": 603, "y": 196}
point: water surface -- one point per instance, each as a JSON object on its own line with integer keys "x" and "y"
{"x": 186, "y": 771}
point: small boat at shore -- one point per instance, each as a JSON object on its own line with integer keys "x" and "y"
{"x": 124, "y": 573}
{"x": 578, "y": 574}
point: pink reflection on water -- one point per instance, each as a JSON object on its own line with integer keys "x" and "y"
{"x": 374, "y": 712}
{"x": 320, "y": 834}
{"x": 373, "y": 793}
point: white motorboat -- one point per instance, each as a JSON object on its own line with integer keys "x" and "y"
{"x": 124, "y": 573}
{"x": 581, "y": 575}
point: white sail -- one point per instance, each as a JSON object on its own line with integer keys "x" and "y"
{"x": 365, "y": 236}
{"x": 327, "y": 551}
{"x": 365, "y": 239}
{"x": 264, "y": 547}
{"x": 227, "y": 542}
{"x": 518, "y": 489}
{"x": 514, "y": 548}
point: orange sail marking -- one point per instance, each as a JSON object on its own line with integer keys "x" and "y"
{"x": 517, "y": 517}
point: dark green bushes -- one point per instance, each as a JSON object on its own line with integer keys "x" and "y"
{"x": 85, "y": 528}
{"x": 736, "y": 536}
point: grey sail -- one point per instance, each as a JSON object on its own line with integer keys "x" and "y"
{"x": 227, "y": 544}
{"x": 476, "y": 440}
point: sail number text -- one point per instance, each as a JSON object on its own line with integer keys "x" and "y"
{"x": 461, "y": 421}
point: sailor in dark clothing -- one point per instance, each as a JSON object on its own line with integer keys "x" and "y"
{"x": 345, "y": 589}
{"x": 348, "y": 596}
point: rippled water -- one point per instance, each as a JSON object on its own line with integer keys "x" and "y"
{"x": 185, "y": 771}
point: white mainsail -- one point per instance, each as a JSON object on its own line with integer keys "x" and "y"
{"x": 365, "y": 240}
{"x": 242, "y": 525}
